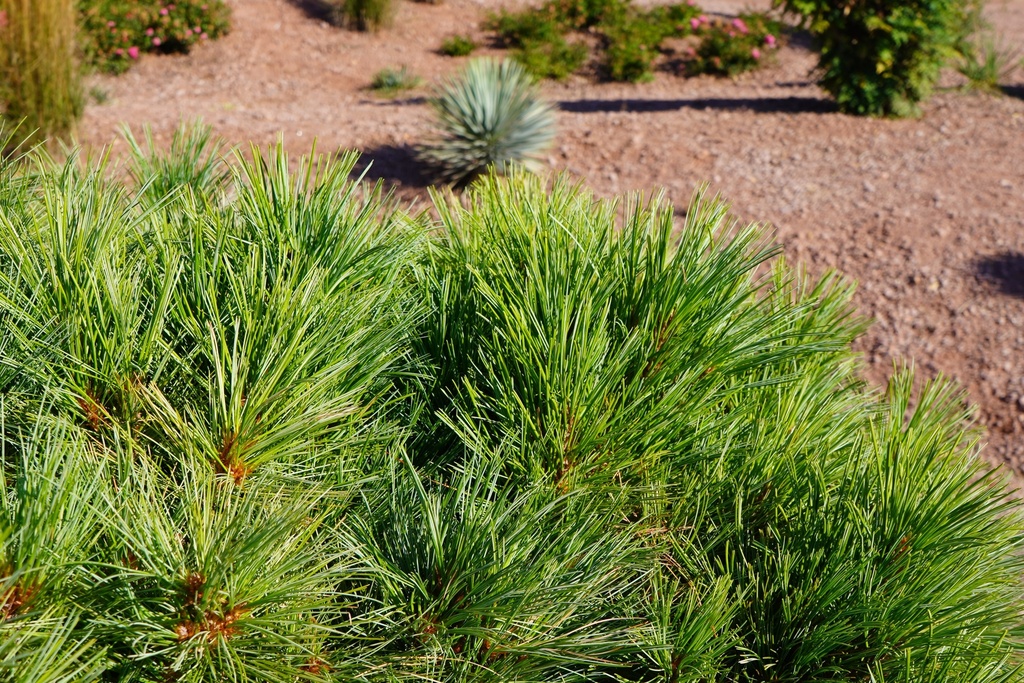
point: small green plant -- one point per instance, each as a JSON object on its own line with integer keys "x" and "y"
{"x": 390, "y": 81}
{"x": 41, "y": 94}
{"x": 583, "y": 14}
{"x": 115, "y": 32}
{"x": 516, "y": 29}
{"x": 366, "y": 15}
{"x": 985, "y": 60}
{"x": 631, "y": 46}
{"x": 882, "y": 58}
{"x": 458, "y": 46}
{"x": 728, "y": 48}
{"x": 489, "y": 115}
{"x": 556, "y": 59}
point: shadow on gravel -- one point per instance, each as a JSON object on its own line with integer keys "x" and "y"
{"x": 1005, "y": 270}
{"x": 762, "y": 105}
{"x": 317, "y": 9}
{"x": 1014, "y": 91}
{"x": 396, "y": 165}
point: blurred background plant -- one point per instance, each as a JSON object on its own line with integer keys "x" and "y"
{"x": 364, "y": 15}
{"x": 730, "y": 47}
{"x": 115, "y": 32}
{"x": 985, "y": 60}
{"x": 41, "y": 89}
{"x": 882, "y": 58}
{"x": 490, "y": 114}
{"x": 391, "y": 81}
{"x": 630, "y": 38}
{"x": 458, "y": 46}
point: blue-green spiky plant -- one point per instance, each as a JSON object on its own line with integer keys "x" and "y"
{"x": 490, "y": 115}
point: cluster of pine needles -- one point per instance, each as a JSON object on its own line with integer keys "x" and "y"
{"x": 260, "y": 423}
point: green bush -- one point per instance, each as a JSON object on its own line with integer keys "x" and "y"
{"x": 728, "y": 48}
{"x": 115, "y": 32}
{"x": 631, "y": 46}
{"x": 458, "y": 46}
{"x": 556, "y": 59}
{"x": 390, "y": 81}
{"x": 365, "y": 15}
{"x": 882, "y": 58}
{"x": 274, "y": 429}
{"x": 516, "y": 29}
{"x": 490, "y": 115}
{"x": 40, "y": 83}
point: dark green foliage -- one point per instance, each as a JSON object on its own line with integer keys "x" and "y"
{"x": 115, "y": 32}
{"x": 728, "y": 48}
{"x": 556, "y": 59}
{"x": 258, "y": 425}
{"x": 365, "y": 15}
{"x": 458, "y": 46}
{"x": 630, "y": 38}
{"x": 631, "y": 48}
{"x": 881, "y": 58}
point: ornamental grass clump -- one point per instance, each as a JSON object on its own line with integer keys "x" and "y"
{"x": 269, "y": 427}
{"x": 41, "y": 94}
{"x": 490, "y": 115}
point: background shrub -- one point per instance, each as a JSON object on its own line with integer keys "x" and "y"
{"x": 730, "y": 47}
{"x": 365, "y": 15}
{"x": 390, "y": 81}
{"x": 40, "y": 81}
{"x": 458, "y": 46}
{"x": 556, "y": 59}
{"x": 115, "y": 32}
{"x": 489, "y": 115}
{"x": 631, "y": 46}
{"x": 882, "y": 58}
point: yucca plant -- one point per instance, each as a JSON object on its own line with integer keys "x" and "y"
{"x": 491, "y": 114}
{"x": 268, "y": 427}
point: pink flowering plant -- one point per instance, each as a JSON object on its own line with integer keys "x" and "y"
{"x": 116, "y": 32}
{"x": 729, "y": 47}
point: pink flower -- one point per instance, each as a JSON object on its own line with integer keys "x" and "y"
{"x": 111, "y": 24}
{"x": 3, "y": 19}
{"x": 197, "y": 30}
{"x": 203, "y": 36}
{"x": 163, "y": 12}
{"x": 149, "y": 31}
{"x": 695, "y": 23}
{"x": 740, "y": 25}
{"x": 119, "y": 52}
{"x": 703, "y": 19}
{"x": 769, "y": 40}
{"x": 755, "y": 53}
{"x": 156, "y": 42}
{"x": 133, "y": 52}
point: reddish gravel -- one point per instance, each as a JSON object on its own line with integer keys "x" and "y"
{"x": 928, "y": 214}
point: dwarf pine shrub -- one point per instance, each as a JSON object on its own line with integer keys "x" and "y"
{"x": 268, "y": 427}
